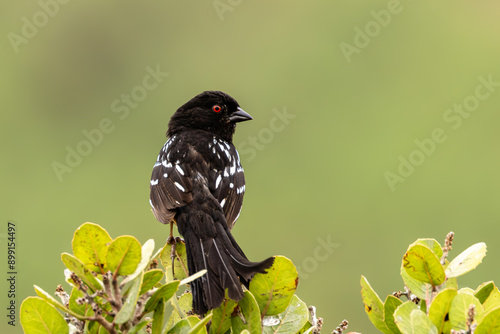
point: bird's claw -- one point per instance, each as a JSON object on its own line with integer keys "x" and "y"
{"x": 171, "y": 240}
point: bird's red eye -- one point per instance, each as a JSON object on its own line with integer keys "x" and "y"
{"x": 216, "y": 108}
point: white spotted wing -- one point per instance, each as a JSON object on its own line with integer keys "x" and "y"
{"x": 171, "y": 185}
{"x": 227, "y": 179}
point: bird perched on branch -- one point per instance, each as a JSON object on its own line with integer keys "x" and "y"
{"x": 198, "y": 183}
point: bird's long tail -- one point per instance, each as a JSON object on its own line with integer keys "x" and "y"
{"x": 210, "y": 246}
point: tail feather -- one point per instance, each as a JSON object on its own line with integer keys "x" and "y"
{"x": 226, "y": 264}
{"x": 221, "y": 264}
{"x": 245, "y": 268}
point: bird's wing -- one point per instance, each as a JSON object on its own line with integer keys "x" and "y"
{"x": 227, "y": 180}
{"x": 171, "y": 185}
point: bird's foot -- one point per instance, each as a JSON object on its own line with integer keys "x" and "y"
{"x": 172, "y": 241}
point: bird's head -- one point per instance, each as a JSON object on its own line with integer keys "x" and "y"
{"x": 212, "y": 111}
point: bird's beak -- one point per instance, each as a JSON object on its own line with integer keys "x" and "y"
{"x": 240, "y": 116}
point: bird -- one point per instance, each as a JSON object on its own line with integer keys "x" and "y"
{"x": 198, "y": 183}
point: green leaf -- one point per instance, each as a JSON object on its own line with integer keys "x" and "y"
{"x": 185, "y": 303}
{"x": 158, "y": 317}
{"x": 423, "y": 306}
{"x": 432, "y": 244}
{"x": 74, "y": 306}
{"x": 490, "y": 323}
{"x": 493, "y": 300}
{"x": 419, "y": 289}
{"x": 221, "y": 320}
{"x": 139, "y": 326}
{"x": 237, "y": 325}
{"x": 403, "y": 312}
{"x": 440, "y": 308}
{"x": 451, "y": 283}
{"x": 373, "y": 306}
{"x": 460, "y": 308}
{"x": 77, "y": 266}
{"x": 191, "y": 278}
{"x": 420, "y": 323}
{"x": 151, "y": 278}
{"x": 390, "y": 305}
{"x": 467, "y": 260}
{"x": 200, "y": 326}
{"x": 193, "y": 320}
{"x": 290, "y": 321}
{"x": 181, "y": 327}
{"x": 146, "y": 252}
{"x": 467, "y": 290}
{"x": 180, "y": 262}
{"x": 423, "y": 265}
{"x": 127, "y": 311}
{"x": 308, "y": 328}
{"x": 184, "y": 326}
{"x": 54, "y": 302}
{"x": 274, "y": 289}
{"x": 38, "y": 317}
{"x": 90, "y": 245}
{"x": 155, "y": 255}
{"x": 165, "y": 293}
{"x": 250, "y": 310}
{"x": 483, "y": 291}
{"x": 402, "y": 316}
{"x": 124, "y": 255}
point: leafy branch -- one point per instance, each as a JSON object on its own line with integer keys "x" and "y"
{"x": 117, "y": 287}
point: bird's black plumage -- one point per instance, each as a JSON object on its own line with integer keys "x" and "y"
{"x": 198, "y": 182}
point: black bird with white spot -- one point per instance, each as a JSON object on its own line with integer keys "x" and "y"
{"x": 198, "y": 183}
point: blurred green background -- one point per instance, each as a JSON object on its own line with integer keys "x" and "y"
{"x": 313, "y": 179}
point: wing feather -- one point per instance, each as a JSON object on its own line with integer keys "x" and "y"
{"x": 171, "y": 185}
{"x": 227, "y": 179}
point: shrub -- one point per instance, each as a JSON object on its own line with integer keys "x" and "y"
{"x": 434, "y": 302}
{"x": 117, "y": 287}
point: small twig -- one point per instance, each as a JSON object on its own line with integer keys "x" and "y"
{"x": 316, "y": 321}
{"x": 407, "y": 293}
{"x": 141, "y": 304}
{"x": 149, "y": 327}
{"x": 98, "y": 312}
{"x": 104, "y": 323}
{"x": 79, "y": 324}
{"x": 62, "y": 295}
{"x": 107, "y": 288}
{"x": 448, "y": 241}
{"x": 153, "y": 264}
{"x": 172, "y": 242}
{"x": 470, "y": 318}
{"x": 117, "y": 292}
{"x": 341, "y": 328}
